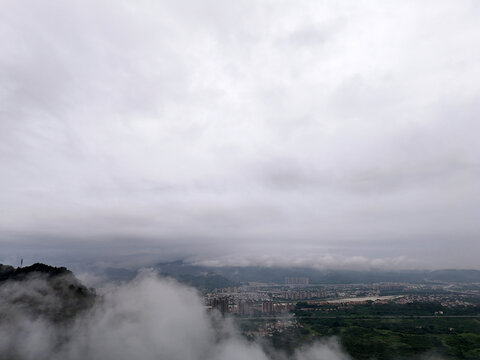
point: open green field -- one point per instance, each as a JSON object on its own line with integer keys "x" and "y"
{"x": 394, "y": 338}
{"x": 394, "y": 332}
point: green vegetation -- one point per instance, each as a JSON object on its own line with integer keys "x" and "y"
{"x": 384, "y": 309}
{"x": 395, "y": 331}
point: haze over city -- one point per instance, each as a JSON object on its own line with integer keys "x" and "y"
{"x": 308, "y": 133}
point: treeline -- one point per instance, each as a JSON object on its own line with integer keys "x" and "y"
{"x": 380, "y": 309}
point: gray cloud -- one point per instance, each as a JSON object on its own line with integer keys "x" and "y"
{"x": 347, "y": 130}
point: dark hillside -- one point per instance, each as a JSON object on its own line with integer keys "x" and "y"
{"x": 41, "y": 290}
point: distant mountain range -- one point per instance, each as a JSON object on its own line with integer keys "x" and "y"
{"x": 210, "y": 277}
{"x": 236, "y": 274}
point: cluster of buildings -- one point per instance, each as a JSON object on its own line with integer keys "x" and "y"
{"x": 258, "y": 299}
{"x": 269, "y": 328}
{"x": 297, "y": 280}
{"x": 389, "y": 287}
{"x": 227, "y": 305}
{"x": 447, "y": 300}
{"x": 303, "y": 294}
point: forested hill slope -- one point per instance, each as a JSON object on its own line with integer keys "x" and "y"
{"x": 44, "y": 291}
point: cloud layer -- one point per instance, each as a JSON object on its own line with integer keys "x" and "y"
{"x": 345, "y": 131}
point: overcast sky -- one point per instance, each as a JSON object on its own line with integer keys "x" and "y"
{"x": 326, "y": 133}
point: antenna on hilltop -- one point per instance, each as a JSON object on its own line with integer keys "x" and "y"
{"x": 21, "y": 262}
